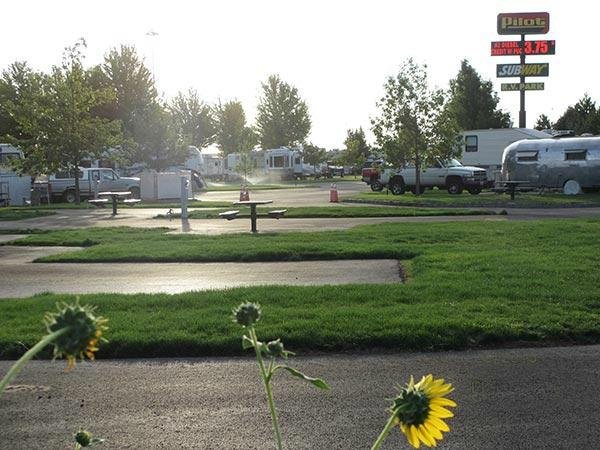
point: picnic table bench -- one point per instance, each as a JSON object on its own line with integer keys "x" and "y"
{"x": 277, "y": 214}
{"x": 98, "y": 202}
{"x": 229, "y": 215}
{"x": 511, "y": 187}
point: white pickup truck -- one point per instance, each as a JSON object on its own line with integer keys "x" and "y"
{"x": 450, "y": 175}
{"x": 61, "y": 186}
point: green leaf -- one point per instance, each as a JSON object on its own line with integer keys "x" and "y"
{"x": 247, "y": 343}
{"x": 314, "y": 381}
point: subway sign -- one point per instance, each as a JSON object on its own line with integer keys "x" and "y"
{"x": 522, "y": 70}
{"x": 513, "y": 48}
{"x": 522, "y": 86}
{"x": 523, "y": 23}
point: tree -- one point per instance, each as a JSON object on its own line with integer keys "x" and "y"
{"x": 413, "y": 124}
{"x": 583, "y": 117}
{"x": 473, "y": 102}
{"x": 314, "y": 155}
{"x": 159, "y": 143}
{"x": 283, "y": 118}
{"x": 357, "y": 149}
{"x": 194, "y": 119}
{"x": 543, "y": 123}
{"x": 233, "y": 136}
{"x": 58, "y": 116}
{"x": 134, "y": 94}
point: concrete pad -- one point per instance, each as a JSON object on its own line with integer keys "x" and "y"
{"x": 22, "y": 279}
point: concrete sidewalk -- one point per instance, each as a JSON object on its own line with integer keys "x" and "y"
{"x": 20, "y": 278}
{"x": 544, "y": 398}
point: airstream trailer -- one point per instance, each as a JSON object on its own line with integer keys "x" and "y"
{"x": 571, "y": 164}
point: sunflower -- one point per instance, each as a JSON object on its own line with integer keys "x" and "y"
{"x": 83, "y": 332}
{"x": 420, "y": 408}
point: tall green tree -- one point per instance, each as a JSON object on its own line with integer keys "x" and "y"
{"x": 283, "y": 118}
{"x": 194, "y": 118}
{"x": 159, "y": 143}
{"x": 59, "y": 119}
{"x": 313, "y": 155}
{"x": 357, "y": 149}
{"x": 543, "y": 123}
{"x": 583, "y": 117}
{"x": 16, "y": 81}
{"x": 473, "y": 103}
{"x": 233, "y": 136}
{"x": 413, "y": 125}
{"x": 134, "y": 95}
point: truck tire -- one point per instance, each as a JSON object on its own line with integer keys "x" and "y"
{"x": 135, "y": 192}
{"x": 70, "y": 196}
{"x": 376, "y": 186}
{"x": 474, "y": 190}
{"x": 396, "y": 186}
{"x": 454, "y": 186}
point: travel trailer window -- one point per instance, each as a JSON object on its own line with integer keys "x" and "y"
{"x": 279, "y": 161}
{"x": 575, "y": 155}
{"x": 527, "y": 156}
{"x": 470, "y": 143}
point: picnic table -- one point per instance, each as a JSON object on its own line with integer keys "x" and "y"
{"x": 511, "y": 186}
{"x": 114, "y": 196}
{"x": 252, "y": 204}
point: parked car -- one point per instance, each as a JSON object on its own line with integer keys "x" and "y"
{"x": 444, "y": 174}
{"x": 61, "y": 186}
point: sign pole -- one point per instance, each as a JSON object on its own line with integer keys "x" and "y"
{"x": 522, "y": 113}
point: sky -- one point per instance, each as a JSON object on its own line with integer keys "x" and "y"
{"x": 338, "y": 53}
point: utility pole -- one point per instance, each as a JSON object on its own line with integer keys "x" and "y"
{"x": 522, "y": 113}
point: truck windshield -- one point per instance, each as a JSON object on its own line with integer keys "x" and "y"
{"x": 452, "y": 163}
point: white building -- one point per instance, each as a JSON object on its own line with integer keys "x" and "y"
{"x": 15, "y": 189}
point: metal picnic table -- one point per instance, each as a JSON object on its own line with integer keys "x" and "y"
{"x": 114, "y": 197}
{"x": 511, "y": 186}
{"x": 252, "y": 204}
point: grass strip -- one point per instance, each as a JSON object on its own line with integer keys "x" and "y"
{"x": 437, "y": 198}
{"x": 345, "y": 211}
{"x": 20, "y": 213}
{"x": 470, "y": 285}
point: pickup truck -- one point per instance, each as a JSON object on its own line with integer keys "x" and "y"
{"x": 445, "y": 174}
{"x": 450, "y": 175}
{"x": 61, "y": 186}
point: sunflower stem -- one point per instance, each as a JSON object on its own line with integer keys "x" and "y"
{"x": 266, "y": 376}
{"x": 384, "y": 433}
{"x": 16, "y": 368}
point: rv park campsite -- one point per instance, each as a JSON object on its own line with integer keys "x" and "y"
{"x": 304, "y": 225}
{"x": 490, "y": 301}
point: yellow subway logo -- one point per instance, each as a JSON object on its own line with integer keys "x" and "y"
{"x": 522, "y": 70}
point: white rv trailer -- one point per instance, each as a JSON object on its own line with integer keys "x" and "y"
{"x": 284, "y": 163}
{"x": 483, "y": 148}
{"x": 15, "y": 189}
{"x": 571, "y": 164}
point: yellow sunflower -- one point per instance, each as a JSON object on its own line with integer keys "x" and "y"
{"x": 420, "y": 408}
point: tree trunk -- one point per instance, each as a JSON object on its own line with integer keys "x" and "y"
{"x": 77, "y": 190}
{"x": 417, "y": 173}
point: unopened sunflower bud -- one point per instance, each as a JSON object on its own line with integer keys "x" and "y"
{"x": 275, "y": 349}
{"x": 83, "y": 438}
{"x": 84, "y": 331}
{"x": 247, "y": 314}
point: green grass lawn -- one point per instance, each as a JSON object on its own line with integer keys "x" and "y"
{"x": 343, "y": 211}
{"x": 25, "y": 212}
{"x": 469, "y": 285}
{"x": 436, "y": 198}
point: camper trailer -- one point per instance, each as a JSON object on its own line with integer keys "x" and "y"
{"x": 483, "y": 148}
{"x": 284, "y": 163}
{"x": 570, "y": 164}
{"x": 15, "y": 189}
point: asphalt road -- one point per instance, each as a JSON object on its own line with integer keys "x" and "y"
{"x": 544, "y": 398}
